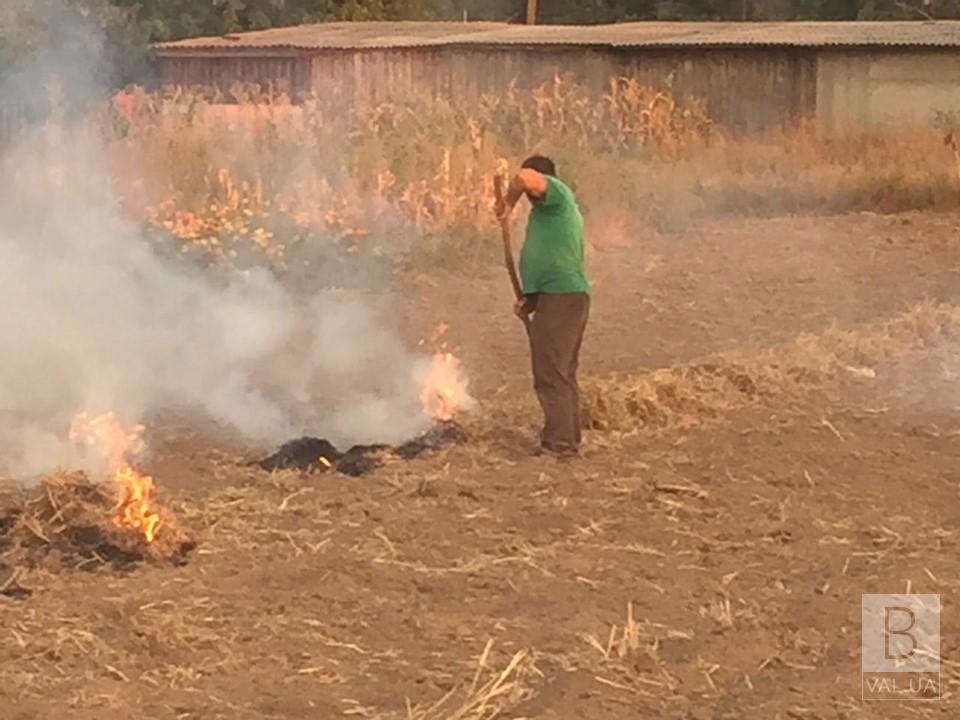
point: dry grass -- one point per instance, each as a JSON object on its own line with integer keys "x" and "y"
{"x": 675, "y": 397}
{"x": 690, "y": 395}
{"x": 258, "y": 515}
{"x": 711, "y": 601}
{"x": 629, "y": 660}
{"x": 489, "y": 695}
{"x": 67, "y": 520}
{"x": 268, "y": 183}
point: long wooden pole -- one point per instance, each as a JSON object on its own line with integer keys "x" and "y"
{"x": 508, "y": 261}
{"x": 532, "y": 11}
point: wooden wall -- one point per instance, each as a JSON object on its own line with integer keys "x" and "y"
{"x": 287, "y": 73}
{"x": 917, "y": 89}
{"x": 745, "y": 90}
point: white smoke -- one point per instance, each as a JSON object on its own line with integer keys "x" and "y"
{"x": 93, "y": 319}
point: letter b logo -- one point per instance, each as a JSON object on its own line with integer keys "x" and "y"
{"x": 900, "y": 633}
{"x": 897, "y": 624}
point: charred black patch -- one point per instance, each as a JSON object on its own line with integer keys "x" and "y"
{"x": 440, "y": 435}
{"x": 306, "y": 453}
{"x": 311, "y": 454}
{"x": 92, "y": 543}
{"x": 360, "y": 459}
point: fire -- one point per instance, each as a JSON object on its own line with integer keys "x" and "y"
{"x": 135, "y": 507}
{"x": 443, "y": 388}
{"x": 443, "y": 393}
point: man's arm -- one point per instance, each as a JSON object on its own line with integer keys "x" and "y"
{"x": 526, "y": 181}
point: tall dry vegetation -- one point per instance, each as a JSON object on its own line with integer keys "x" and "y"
{"x": 263, "y": 179}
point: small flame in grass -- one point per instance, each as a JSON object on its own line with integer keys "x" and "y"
{"x": 443, "y": 393}
{"x": 326, "y": 463}
{"x": 135, "y": 507}
{"x": 443, "y": 387}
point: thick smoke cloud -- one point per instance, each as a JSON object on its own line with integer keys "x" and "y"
{"x": 93, "y": 319}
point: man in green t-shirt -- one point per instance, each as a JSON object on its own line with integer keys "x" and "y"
{"x": 557, "y": 295}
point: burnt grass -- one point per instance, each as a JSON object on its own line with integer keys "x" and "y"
{"x": 66, "y": 523}
{"x": 318, "y": 455}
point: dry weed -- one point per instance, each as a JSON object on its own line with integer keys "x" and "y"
{"x": 261, "y": 181}
{"x": 489, "y": 695}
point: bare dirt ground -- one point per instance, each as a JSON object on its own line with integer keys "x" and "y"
{"x": 784, "y": 436}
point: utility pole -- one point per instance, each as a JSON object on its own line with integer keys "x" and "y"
{"x": 532, "y": 12}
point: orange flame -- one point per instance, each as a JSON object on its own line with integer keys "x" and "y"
{"x": 134, "y": 507}
{"x": 443, "y": 392}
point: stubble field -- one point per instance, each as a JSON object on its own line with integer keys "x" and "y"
{"x": 776, "y": 429}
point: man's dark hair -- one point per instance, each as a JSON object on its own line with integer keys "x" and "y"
{"x": 540, "y": 163}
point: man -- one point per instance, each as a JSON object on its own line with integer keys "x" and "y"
{"x": 557, "y": 294}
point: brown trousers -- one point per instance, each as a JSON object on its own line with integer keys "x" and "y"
{"x": 556, "y": 333}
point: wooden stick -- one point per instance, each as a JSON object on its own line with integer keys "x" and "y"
{"x": 508, "y": 260}
{"x": 507, "y": 243}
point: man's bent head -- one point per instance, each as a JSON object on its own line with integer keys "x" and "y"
{"x": 540, "y": 163}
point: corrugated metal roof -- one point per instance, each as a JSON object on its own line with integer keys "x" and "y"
{"x": 942, "y": 33}
{"x": 344, "y": 35}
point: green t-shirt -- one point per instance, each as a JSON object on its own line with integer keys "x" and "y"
{"x": 552, "y": 259}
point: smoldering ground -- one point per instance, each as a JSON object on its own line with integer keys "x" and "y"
{"x": 94, "y": 319}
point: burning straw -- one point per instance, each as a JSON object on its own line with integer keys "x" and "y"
{"x": 70, "y": 520}
{"x": 443, "y": 394}
{"x": 134, "y": 508}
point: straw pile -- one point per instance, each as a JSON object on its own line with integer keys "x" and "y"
{"x": 67, "y": 521}
{"x": 685, "y": 396}
{"x": 671, "y": 397}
